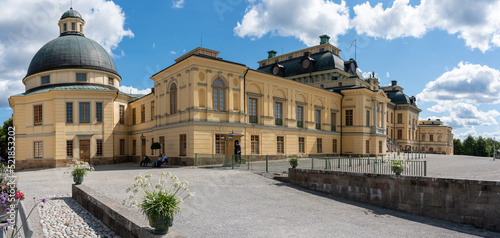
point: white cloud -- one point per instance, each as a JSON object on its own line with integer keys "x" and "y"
{"x": 132, "y": 90}
{"x": 475, "y": 21}
{"x": 27, "y": 25}
{"x": 471, "y": 83}
{"x": 387, "y": 74}
{"x": 178, "y": 4}
{"x": 304, "y": 20}
{"x": 466, "y": 115}
{"x": 173, "y": 52}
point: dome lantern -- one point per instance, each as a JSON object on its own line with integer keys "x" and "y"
{"x": 71, "y": 22}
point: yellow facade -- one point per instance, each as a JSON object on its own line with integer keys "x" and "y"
{"x": 78, "y": 112}
{"x": 434, "y": 137}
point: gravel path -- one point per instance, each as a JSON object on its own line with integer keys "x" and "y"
{"x": 235, "y": 203}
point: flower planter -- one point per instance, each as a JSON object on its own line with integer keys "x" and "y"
{"x": 78, "y": 179}
{"x": 161, "y": 224}
{"x": 398, "y": 171}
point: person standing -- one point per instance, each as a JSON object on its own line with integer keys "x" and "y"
{"x": 237, "y": 151}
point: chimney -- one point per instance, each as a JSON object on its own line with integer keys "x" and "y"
{"x": 394, "y": 83}
{"x": 438, "y": 119}
{"x": 324, "y": 39}
{"x": 271, "y": 54}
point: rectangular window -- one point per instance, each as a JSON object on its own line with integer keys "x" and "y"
{"x": 69, "y": 112}
{"x": 252, "y": 107}
{"x": 37, "y": 115}
{"x": 367, "y": 147}
{"x": 81, "y": 77}
{"x": 334, "y": 121}
{"x": 317, "y": 119}
{"x": 111, "y": 81}
{"x": 300, "y": 116}
{"x": 98, "y": 111}
{"x": 134, "y": 116}
{"x": 182, "y": 145}
{"x": 278, "y": 113}
{"x": 380, "y": 146}
{"x": 143, "y": 113}
{"x": 46, "y": 79}
{"x": 162, "y": 143}
{"x": 367, "y": 118}
{"x": 280, "y": 146}
{"x": 38, "y": 149}
{"x": 348, "y": 117}
{"x": 302, "y": 145}
{"x": 122, "y": 146}
{"x": 73, "y": 26}
{"x": 400, "y": 134}
{"x": 220, "y": 145}
{"x": 98, "y": 147}
{"x": 334, "y": 146}
{"x": 134, "y": 147}
{"x": 254, "y": 140}
{"x": 387, "y": 117}
{"x": 423, "y": 137}
{"x": 400, "y": 118}
{"x": 431, "y": 137}
{"x": 84, "y": 112}
{"x": 64, "y": 27}
{"x": 152, "y": 110}
{"x": 122, "y": 114}
{"x": 392, "y": 117}
{"x": 69, "y": 148}
{"x": 319, "y": 145}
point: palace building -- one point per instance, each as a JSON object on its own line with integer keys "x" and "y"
{"x": 308, "y": 102}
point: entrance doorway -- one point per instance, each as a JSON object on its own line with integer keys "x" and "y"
{"x": 85, "y": 150}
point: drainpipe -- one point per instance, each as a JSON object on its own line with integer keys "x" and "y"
{"x": 244, "y": 106}
{"x": 341, "y": 126}
{"x": 114, "y": 99}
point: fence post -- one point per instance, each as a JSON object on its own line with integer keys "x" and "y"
{"x": 232, "y": 161}
{"x": 425, "y": 168}
{"x": 267, "y": 163}
{"x": 195, "y": 160}
{"x": 326, "y": 164}
{"x": 374, "y": 167}
{"x": 312, "y": 163}
{"x": 339, "y": 163}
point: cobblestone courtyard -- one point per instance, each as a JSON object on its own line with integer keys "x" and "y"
{"x": 236, "y": 203}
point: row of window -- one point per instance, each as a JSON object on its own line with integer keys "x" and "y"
{"x": 134, "y": 113}
{"x": 80, "y": 77}
{"x": 182, "y": 146}
{"x": 83, "y": 109}
{"x": 73, "y": 26}
{"x": 280, "y": 145}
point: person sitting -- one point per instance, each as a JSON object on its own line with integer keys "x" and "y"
{"x": 145, "y": 161}
{"x": 157, "y": 163}
{"x": 164, "y": 159}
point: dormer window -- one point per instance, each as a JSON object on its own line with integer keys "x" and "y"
{"x": 110, "y": 81}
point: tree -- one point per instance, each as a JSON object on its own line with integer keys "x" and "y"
{"x": 155, "y": 146}
{"x": 480, "y": 147}
{"x": 458, "y": 148}
{"x": 468, "y": 145}
{"x": 4, "y": 138}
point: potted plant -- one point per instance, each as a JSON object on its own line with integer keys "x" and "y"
{"x": 294, "y": 162}
{"x": 78, "y": 170}
{"x": 397, "y": 167}
{"x": 160, "y": 201}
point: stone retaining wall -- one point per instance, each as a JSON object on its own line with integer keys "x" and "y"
{"x": 122, "y": 221}
{"x": 462, "y": 201}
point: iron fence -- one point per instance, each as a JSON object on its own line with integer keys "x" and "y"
{"x": 280, "y": 163}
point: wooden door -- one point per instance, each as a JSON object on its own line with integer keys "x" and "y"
{"x": 143, "y": 148}
{"x": 85, "y": 150}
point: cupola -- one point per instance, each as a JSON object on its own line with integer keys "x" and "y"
{"x": 71, "y": 22}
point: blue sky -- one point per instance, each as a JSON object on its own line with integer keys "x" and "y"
{"x": 443, "y": 52}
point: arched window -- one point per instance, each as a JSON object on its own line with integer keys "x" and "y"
{"x": 219, "y": 95}
{"x": 173, "y": 98}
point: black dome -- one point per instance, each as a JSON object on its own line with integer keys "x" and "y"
{"x": 71, "y": 13}
{"x": 71, "y": 51}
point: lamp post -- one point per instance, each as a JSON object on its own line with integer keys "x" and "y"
{"x": 142, "y": 144}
